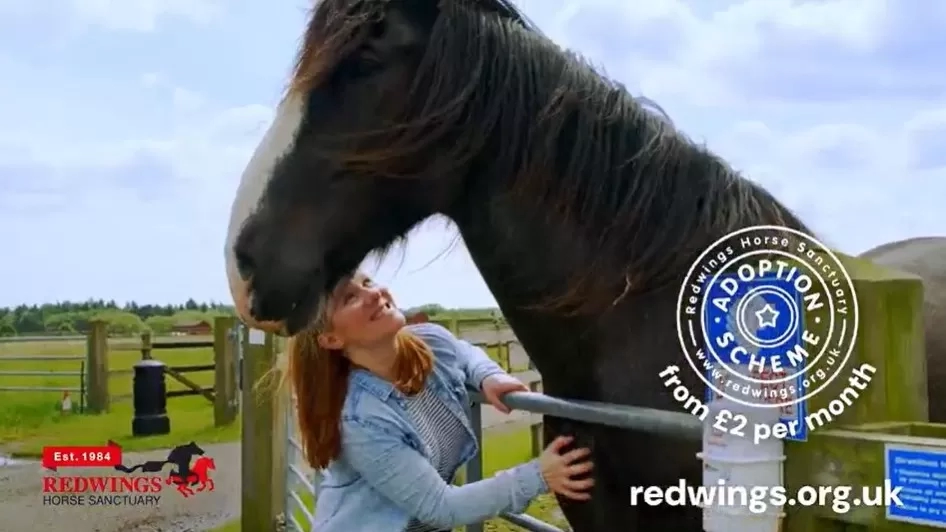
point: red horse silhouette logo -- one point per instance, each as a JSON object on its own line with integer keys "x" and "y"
{"x": 197, "y": 476}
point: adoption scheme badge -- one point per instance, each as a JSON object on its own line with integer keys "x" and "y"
{"x": 767, "y": 317}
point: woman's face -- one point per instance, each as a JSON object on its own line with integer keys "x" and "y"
{"x": 360, "y": 314}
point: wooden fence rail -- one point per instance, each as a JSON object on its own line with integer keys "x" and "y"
{"x": 79, "y": 389}
{"x": 222, "y": 395}
{"x": 177, "y": 372}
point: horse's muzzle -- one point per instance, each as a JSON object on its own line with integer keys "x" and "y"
{"x": 240, "y": 291}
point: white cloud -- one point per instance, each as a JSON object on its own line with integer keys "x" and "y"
{"x": 856, "y": 185}
{"x": 150, "y": 80}
{"x": 142, "y": 15}
{"x": 185, "y": 100}
{"x": 772, "y": 50}
{"x": 59, "y": 19}
{"x": 926, "y": 138}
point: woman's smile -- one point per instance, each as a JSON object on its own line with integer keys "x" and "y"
{"x": 382, "y": 310}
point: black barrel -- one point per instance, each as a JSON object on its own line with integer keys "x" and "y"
{"x": 150, "y": 398}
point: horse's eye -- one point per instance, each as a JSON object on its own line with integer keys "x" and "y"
{"x": 377, "y": 26}
{"x": 358, "y": 66}
{"x": 366, "y": 68}
{"x": 366, "y": 62}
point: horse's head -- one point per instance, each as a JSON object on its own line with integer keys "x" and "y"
{"x": 371, "y": 138}
{"x": 205, "y": 463}
{"x": 186, "y": 450}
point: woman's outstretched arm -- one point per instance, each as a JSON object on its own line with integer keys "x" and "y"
{"x": 473, "y": 361}
{"x": 375, "y": 448}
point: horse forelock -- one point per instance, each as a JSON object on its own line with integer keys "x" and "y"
{"x": 335, "y": 28}
{"x": 333, "y": 31}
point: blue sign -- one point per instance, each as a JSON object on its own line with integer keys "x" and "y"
{"x": 920, "y": 473}
{"x": 764, "y": 316}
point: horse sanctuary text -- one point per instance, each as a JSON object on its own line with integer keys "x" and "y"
{"x": 758, "y": 499}
{"x": 767, "y": 318}
{"x": 102, "y": 490}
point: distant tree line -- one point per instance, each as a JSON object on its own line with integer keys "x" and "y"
{"x": 67, "y": 317}
{"x": 437, "y": 311}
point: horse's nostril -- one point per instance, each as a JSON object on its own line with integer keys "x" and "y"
{"x": 245, "y": 264}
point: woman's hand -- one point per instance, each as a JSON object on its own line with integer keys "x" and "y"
{"x": 558, "y": 469}
{"x": 496, "y": 386}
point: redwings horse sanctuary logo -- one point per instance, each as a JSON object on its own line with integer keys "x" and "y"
{"x": 767, "y": 318}
{"x": 80, "y": 478}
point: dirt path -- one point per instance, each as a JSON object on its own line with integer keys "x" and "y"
{"x": 22, "y": 507}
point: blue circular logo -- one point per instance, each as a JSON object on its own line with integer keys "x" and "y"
{"x": 752, "y": 320}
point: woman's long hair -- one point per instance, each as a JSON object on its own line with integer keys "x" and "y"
{"x": 319, "y": 378}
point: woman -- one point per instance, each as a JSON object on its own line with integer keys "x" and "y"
{"x": 381, "y": 410}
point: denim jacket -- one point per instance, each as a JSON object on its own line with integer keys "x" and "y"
{"x": 383, "y": 476}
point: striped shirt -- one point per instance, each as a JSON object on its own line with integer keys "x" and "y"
{"x": 442, "y": 435}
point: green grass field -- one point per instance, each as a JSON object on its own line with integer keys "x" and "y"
{"x": 30, "y": 420}
{"x": 500, "y": 451}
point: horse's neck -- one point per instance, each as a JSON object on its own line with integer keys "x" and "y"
{"x": 522, "y": 257}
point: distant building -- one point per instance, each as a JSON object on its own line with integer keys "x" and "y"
{"x": 192, "y": 327}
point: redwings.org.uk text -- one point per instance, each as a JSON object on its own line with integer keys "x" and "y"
{"x": 758, "y": 499}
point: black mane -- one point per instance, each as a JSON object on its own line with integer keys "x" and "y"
{"x": 492, "y": 89}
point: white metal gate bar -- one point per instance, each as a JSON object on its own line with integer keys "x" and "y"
{"x": 297, "y": 478}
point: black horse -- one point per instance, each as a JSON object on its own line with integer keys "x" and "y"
{"x": 180, "y": 457}
{"x": 581, "y": 209}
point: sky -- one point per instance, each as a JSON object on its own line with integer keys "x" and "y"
{"x": 125, "y": 126}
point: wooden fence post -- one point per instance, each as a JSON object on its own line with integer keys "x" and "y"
{"x": 849, "y": 448}
{"x": 261, "y": 459}
{"x": 225, "y": 366}
{"x": 536, "y": 430}
{"x": 146, "y": 345}
{"x": 453, "y": 326}
{"x": 97, "y": 367}
{"x": 280, "y": 442}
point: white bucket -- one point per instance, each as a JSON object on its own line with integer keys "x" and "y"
{"x": 735, "y": 514}
{"x": 721, "y": 520}
{"x": 735, "y": 462}
{"x": 736, "y": 444}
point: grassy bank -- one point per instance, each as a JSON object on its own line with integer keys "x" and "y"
{"x": 500, "y": 451}
{"x": 31, "y": 420}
